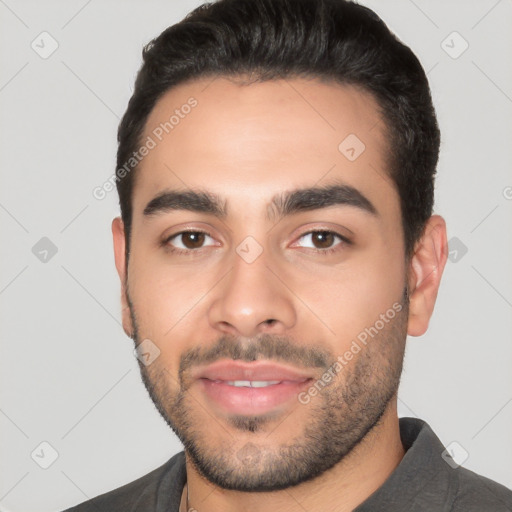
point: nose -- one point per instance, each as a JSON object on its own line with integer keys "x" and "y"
{"x": 252, "y": 299}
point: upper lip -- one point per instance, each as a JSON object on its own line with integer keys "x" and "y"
{"x": 230, "y": 370}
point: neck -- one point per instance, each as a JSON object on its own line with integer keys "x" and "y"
{"x": 340, "y": 489}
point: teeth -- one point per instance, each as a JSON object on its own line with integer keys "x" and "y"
{"x": 252, "y": 383}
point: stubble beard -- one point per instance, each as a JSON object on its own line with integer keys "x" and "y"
{"x": 341, "y": 415}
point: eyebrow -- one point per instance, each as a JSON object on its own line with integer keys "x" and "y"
{"x": 281, "y": 205}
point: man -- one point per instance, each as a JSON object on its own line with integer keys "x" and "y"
{"x": 276, "y": 245}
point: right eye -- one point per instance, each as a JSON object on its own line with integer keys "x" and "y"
{"x": 190, "y": 242}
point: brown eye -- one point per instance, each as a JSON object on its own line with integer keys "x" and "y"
{"x": 190, "y": 241}
{"x": 193, "y": 239}
{"x": 323, "y": 239}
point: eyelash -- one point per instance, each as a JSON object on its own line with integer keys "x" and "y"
{"x": 191, "y": 252}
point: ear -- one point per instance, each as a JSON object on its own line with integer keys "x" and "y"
{"x": 120, "y": 259}
{"x": 425, "y": 271}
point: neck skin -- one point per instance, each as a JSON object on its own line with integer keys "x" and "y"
{"x": 340, "y": 489}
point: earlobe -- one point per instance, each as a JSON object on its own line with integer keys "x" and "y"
{"x": 120, "y": 261}
{"x": 426, "y": 268}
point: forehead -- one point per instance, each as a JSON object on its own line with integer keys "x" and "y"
{"x": 261, "y": 138}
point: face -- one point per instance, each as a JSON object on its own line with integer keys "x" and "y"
{"x": 267, "y": 272}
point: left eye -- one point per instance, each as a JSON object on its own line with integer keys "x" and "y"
{"x": 323, "y": 240}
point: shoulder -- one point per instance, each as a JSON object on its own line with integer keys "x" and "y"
{"x": 476, "y": 493}
{"x": 140, "y": 494}
{"x": 428, "y": 478}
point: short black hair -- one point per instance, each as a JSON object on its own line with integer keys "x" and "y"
{"x": 332, "y": 40}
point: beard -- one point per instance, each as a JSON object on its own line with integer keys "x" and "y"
{"x": 340, "y": 416}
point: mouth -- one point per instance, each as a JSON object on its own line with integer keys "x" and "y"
{"x": 251, "y": 383}
{"x": 253, "y": 388}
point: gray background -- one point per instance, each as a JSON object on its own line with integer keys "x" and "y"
{"x": 68, "y": 374}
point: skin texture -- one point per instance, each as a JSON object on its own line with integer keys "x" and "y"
{"x": 247, "y": 143}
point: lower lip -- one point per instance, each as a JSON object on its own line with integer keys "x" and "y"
{"x": 250, "y": 401}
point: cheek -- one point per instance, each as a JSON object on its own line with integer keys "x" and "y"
{"x": 167, "y": 302}
{"x": 380, "y": 283}
{"x": 352, "y": 298}
{"x": 165, "y": 315}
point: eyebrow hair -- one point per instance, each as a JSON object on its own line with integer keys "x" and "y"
{"x": 281, "y": 205}
{"x": 313, "y": 198}
{"x": 195, "y": 201}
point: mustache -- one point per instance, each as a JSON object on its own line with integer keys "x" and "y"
{"x": 266, "y": 346}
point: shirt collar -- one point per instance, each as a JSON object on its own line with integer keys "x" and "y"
{"x": 422, "y": 480}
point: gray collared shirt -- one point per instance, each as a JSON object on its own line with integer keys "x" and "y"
{"x": 423, "y": 481}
